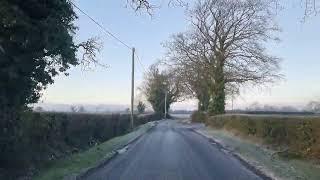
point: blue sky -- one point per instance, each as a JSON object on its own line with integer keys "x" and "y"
{"x": 299, "y": 48}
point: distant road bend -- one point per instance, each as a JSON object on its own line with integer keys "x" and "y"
{"x": 171, "y": 151}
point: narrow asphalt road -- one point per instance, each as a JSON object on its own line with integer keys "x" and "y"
{"x": 171, "y": 151}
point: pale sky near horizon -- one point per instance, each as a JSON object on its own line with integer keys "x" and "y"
{"x": 299, "y": 48}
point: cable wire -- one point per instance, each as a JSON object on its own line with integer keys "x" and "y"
{"x": 103, "y": 28}
{"x": 140, "y": 63}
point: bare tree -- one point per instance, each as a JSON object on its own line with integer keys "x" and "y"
{"x": 141, "y": 107}
{"x": 158, "y": 85}
{"x": 141, "y": 5}
{"x": 81, "y": 109}
{"x": 73, "y": 109}
{"x": 194, "y": 83}
{"x": 88, "y": 51}
{"x": 191, "y": 59}
{"x": 313, "y": 106}
{"x": 226, "y": 41}
{"x": 149, "y": 6}
{"x": 311, "y": 7}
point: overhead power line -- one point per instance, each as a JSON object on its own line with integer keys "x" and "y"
{"x": 139, "y": 70}
{"x": 127, "y": 46}
{"x": 103, "y": 28}
{"x": 140, "y": 63}
{"x": 109, "y": 33}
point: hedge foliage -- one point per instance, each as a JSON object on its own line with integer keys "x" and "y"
{"x": 300, "y": 135}
{"x": 198, "y": 117}
{"x": 46, "y": 136}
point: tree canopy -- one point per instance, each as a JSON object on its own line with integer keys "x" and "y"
{"x": 36, "y": 44}
{"x": 141, "y": 107}
{"x": 224, "y": 49}
{"x": 157, "y": 85}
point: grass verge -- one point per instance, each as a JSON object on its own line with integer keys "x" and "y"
{"x": 299, "y": 136}
{"x": 262, "y": 158}
{"x": 80, "y": 162}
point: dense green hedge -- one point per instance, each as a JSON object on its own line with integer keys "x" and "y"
{"x": 46, "y": 136}
{"x": 300, "y": 135}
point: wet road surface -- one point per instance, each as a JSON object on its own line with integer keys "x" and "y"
{"x": 171, "y": 151}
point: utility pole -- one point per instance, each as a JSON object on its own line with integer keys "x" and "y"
{"x": 165, "y": 105}
{"x": 132, "y": 87}
{"x": 232, "y": 102}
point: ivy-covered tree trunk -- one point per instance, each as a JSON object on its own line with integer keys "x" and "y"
{"x": 203, "y": 101}
{"x": 218, "y": 96}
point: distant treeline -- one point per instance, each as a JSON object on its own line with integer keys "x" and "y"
{"x": 181, "y": 112}
{"x": 270, "y": 112}
{"x": 253, "y": 112}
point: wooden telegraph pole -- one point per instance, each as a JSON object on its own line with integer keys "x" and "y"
{"x": 132, "y": 88}
{"x": 165, "y": 105}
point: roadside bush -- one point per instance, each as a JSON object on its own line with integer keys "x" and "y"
{"x": 42, "y": 137}
{"x": 198, "y": 117}
{"x": 299, "y": 134}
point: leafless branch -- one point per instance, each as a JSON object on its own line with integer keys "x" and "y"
{"x": 89, "y": 50}
{"x": 149, "y": 6}
{"x": 226, "y": 41}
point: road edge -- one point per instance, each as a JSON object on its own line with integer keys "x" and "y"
{"x": 242, "y": 160}
{"x": 105, "y": 161}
